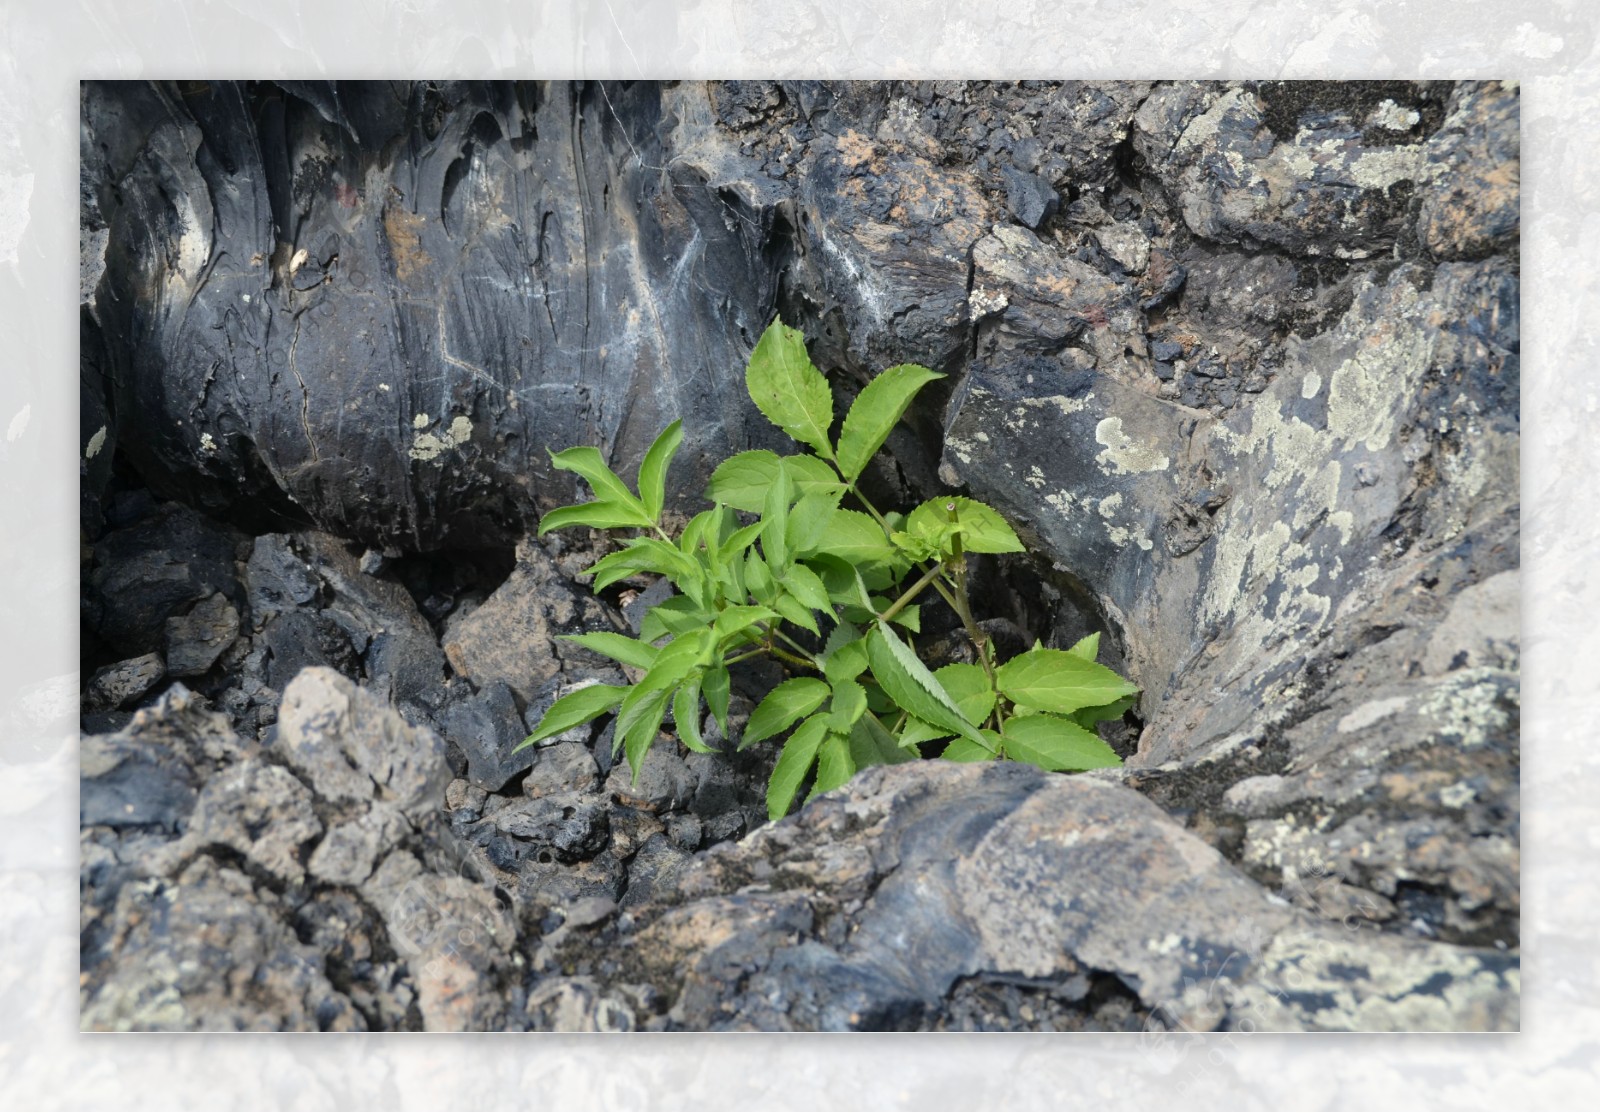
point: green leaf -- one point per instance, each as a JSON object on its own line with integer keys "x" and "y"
{"x": 916, "y": 732}
{"x": 607, "y": 486}
{"x": 910, "y": 617}
{"x": 1056, "y": 744}
{"x": 1089, "y": 717}
{"x": 677, "y": 615}
{"x": 793, "y": 765}
{"x": 1058, "y": 681}
{"x": 786, "y": 387}
{"x": 806, "y": 586}
{"x": 969, "y": 686}
{"x": 835, "y": 765}
{"x": 741, "y": 481}
{"x": 845, "y": 659}
{"x": 734, "y": 620}
{"x": 740, "y": 539}
{"x": 644, "y": 554}
{"x": 796, "y": 612}
{"x": 639, "y": 721}
{"x": 758, "y": 577}
{"x": 854, "y": 537}
{"x": 575, "y": 709}
{"x": 849, "y": 704}
{"x": 1088, "y": 648}
{"x": 810, "y": 518}
{"x": 783, "y": 706}
{"x": 875, "y": 412}
{"x": 686, "y": 713}
{"x": 653, "y": 471}
{"x": 630, "y": 652}
{"x": 872, "y": 744}
{"x": 678, "y": 658}
{"x": 715, "y": 686}
{"x": 775, "y": 513}
{"x": 909, "y": 683}
{"x": 982, "y": 529}
{"x": 962, "y": 750}
{"x": 595, "y": 515}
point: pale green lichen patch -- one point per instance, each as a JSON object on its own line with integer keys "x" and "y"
{"x": 429, "y": 446}
{"x": 1470, "y": 704}
{"x": 1122, "y": 455}
{"x": 96, "y": 443}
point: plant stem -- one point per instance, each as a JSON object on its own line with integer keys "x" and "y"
{"x": 915, "y": 590}
{"x": 980, "y": 640}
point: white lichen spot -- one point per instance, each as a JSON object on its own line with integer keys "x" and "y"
{"x": 245, "y": 298}
{"x": 1393, "y": 117}
{"x": 384, "y": 387}
{"x": 984, "y": 303}
{"x": 1108, "y": 505}
{"x": 207, "y": 444}
{"x": 1467, "y": 705}
{"x": 1035, "y": 477}
{"x": 981, "y": 437}
{"x": 1122, "y": 454}
{"x": 1457, "y": 795}
{"x": 96, "y": 443}
{"x": 1312, "y": 384}
{"x": 1371, "y": 712}
{"x": 420, "y": 421}
{"x": 299, "y": 260}
{"x": 428, "y": 446}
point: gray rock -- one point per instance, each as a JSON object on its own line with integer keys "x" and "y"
{"x": 294, "y": 641}
{"x": 259, "y": 810}
{"x": 654, "y": 871}
{"x": 156, "y": 568}
{"x": 124, "y": 683}
{"x": 208, "y": 951}
{"x": 349, "y": 747}
{"x": 452, "y": 935}
{"x": 566, "y": 826}
{"x": 510, "y": 637}
{"x": 196, "y": 640}
{"x": 564, "y": 767}
{"x": 885, "y": 903}
{"x": 398, "y": 648}
{"x": 1030, "y": 199}
{"x": 488, "y": 728}
{"x": 127, "y": 781}
{"x": 276, "y": 578}
{"x": 350, "y": 850}
{"x": 664, "y": 783}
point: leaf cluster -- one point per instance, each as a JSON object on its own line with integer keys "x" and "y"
{"x": 792, "y": 562}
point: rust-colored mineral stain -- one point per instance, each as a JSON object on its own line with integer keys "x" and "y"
{"x": 405, "y": 240}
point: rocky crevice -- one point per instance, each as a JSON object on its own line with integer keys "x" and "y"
{"x": 1239, "y": 359}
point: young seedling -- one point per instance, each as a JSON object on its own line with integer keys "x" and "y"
{"x": 790, "y": 544}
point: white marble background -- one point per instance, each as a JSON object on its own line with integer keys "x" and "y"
{"x": 50, "y": 44}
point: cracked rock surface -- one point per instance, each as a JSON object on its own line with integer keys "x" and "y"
{"x": 1239, "y": 359}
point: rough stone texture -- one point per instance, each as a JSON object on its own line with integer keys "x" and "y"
{"x": 566, "y": 767}
{"x": 509, "y": 638}
{"x": 197, "y": 639}
{"x": 865, "y": 909}
{"x": 1251, "y": 389}
{"x": 216, "y": 898}
{"x": 124, "y": 683}
{"x": 489, "y": 729}
{"x": 352, "y": 748}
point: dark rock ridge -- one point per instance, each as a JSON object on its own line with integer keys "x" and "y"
{"x": 1239, "y": 359}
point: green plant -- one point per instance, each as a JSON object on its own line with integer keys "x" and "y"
{"x": 778, "y": 567}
